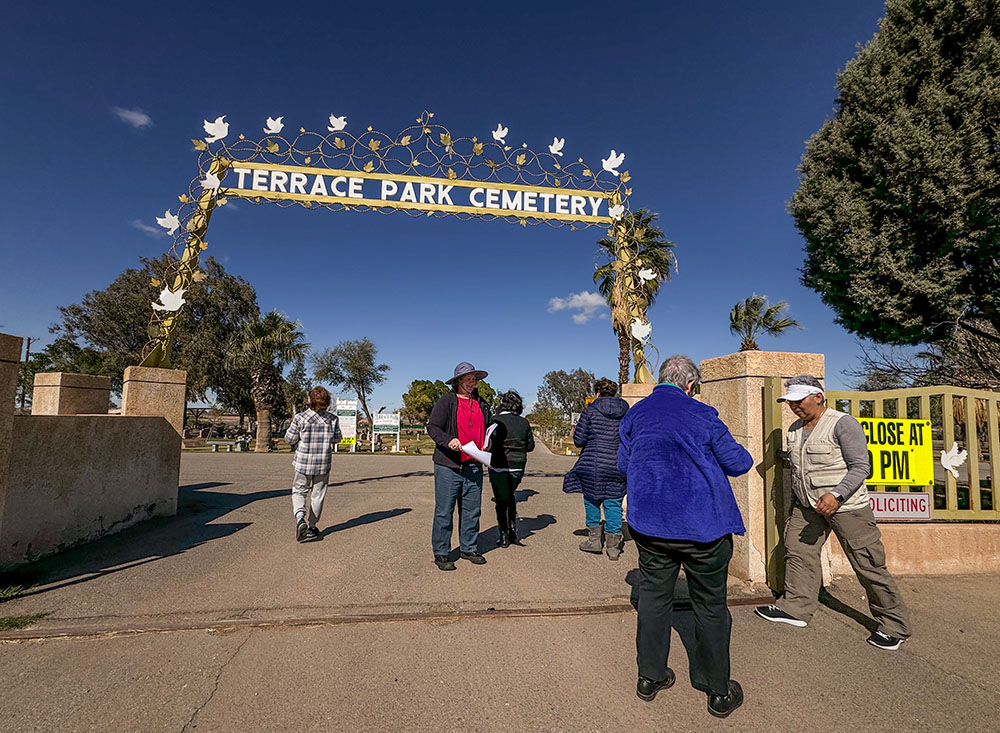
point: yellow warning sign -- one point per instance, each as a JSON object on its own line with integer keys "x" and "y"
{"x": 899, "y": 451}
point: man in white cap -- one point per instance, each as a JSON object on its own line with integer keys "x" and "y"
{"x": 829, "y": 458}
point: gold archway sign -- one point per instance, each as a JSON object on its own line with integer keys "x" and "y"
{"x": 422, "y": 171}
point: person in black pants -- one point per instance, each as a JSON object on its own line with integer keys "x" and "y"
{"x": 510, "y": 443}
{"x": 676, "y": 454}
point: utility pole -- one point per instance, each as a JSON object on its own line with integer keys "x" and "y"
{"x": 27, "y": 356}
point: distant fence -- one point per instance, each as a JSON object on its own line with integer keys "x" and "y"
{"x": 968, "y": 417}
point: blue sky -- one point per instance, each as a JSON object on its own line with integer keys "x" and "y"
{"x": 711, "y": 102}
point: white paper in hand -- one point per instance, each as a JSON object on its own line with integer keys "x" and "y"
{"x": 472, "y": 451}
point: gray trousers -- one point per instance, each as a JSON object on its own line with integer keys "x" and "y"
{"x": 805, "y": 532}
{"x": 302, "y": 485}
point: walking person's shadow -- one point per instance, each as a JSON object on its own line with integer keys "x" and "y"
{"x": 526, "y": 528}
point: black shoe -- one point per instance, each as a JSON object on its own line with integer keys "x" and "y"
{"x": 444, "y": 562}
{"x": 773, "y": 613}
{"x": 313, "y": 535}
{"x": 474, "y": 557}
{"x": 646, "y": 688}
{"x": 301, "y": 530}
{"x": 504, "y": 539}
{"x": 722, "y": 705}
{"x": 884, "y": 641}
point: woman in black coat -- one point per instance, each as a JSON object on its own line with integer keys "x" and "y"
{"x": 595, "y": 474}
{"x": 510, "y": 444}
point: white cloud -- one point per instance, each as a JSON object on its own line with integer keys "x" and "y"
{"x": 146, "y": 228}
{"x": 134, "y": 117}
{"x": 586, "y": 305}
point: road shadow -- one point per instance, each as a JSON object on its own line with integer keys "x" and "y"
{"x": 194, "y": 524}
{"x": 366, "y": 519}
{"x": 838, "y": 606}
{"x": 524, "y": 494}
{"x": 526, "y": 528}
{"x": 371, "y": 479}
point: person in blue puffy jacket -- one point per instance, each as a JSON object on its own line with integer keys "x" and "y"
{"x": 596, "y": 474}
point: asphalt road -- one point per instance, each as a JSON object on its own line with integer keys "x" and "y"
{"x": 218, "y": 620}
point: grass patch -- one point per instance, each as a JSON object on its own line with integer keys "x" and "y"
{"x": 20, "y": 622}
{"x": 12, "y": 591}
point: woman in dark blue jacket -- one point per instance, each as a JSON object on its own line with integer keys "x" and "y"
{"x": 595, "y": 474}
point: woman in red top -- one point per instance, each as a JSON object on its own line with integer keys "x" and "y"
{"x": 458, "y": 418}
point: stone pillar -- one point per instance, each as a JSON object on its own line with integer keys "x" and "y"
{"x": 10, "y": 357}
{"x": 152, "y": 391}
{"x": 632, "y": 393}
{"x": 63, "y": 393}
{"x": 734, "y": 385}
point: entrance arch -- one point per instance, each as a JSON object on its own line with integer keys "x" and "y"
{"x": 421, "y": 171}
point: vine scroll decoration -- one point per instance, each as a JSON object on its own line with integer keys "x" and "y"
{"x": 416, "y": 171}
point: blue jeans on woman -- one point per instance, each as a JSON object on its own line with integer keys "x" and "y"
{"x": 464, "y": 488}
{"x": 612, "y": 514}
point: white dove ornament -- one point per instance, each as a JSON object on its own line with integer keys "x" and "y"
{"x": 168, "y": 221}
{"x": 647, "y": 275}
{"x": 557, "y": 145}
{"x": 616, "y": 211}
{"x": 641, "y": 330}
{"x": 170, "y": 300}
{"x": 337, "y": 123}
{"x": 211, "y": 181}
{"x": 500, "y": 134}
{"x": 216, "y": 130}
{"x": 612, "y": 162}
{"x": 274, "y": 125}
{"x": 953, "y": 458}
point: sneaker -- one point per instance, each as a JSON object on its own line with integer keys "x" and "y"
{"x": 444, "y": 562}
{"x": 301, "y": 530}
{"x": 773, "y": 613}
{"x": 722, "y": 705}
{"x": 313, "y": 534}
{"x": 646, "y": 688}
{"x": 474, "y": 557}
{"x": 882, "y": 641}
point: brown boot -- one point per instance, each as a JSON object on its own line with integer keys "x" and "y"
{"x": 593, "y": 541}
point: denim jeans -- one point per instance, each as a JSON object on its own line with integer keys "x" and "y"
{"x": 612, "y": 513}
{"x": 464, "y": 488}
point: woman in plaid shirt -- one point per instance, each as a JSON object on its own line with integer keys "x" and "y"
{"x": 312, "y": 435}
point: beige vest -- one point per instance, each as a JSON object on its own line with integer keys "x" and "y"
{"x": 817, "y": 463}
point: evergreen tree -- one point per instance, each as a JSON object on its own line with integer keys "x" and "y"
{"x": 899, "y": 200}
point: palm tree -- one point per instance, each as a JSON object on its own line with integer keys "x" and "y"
{"x": 647, "y": 249}
{"x": 263, "y": 346}
{"x": 754, "y": 315}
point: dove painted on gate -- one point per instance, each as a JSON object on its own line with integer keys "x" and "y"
{"x": 500, "y": 134}
{"x": 337, "y": 123}
{"x": 170, "y": 300}
{"x": 953, "y": 459}
{"x": 168, "y": 221}
{"x": 612, "y": 162}
{"x": 557, "y": 145}
{"x": 274, "y": 125}
{"x": 641, "y": 331}
{"x": 216, "y": 130}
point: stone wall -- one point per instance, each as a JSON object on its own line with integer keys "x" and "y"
{"x": 72, "y": 479}
{"x": 68, "y": 478}
{"x": 932, "y": 548}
